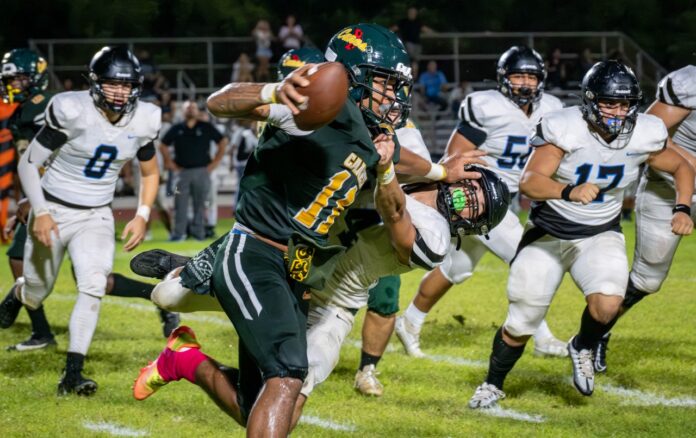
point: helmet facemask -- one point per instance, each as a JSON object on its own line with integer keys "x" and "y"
{"x": 522, "y": 96}
{"x": 100, "y": 98}
{"x": 453, "y": 200}
{"x": 613, "y": 127}
{"x": 394, "y": 97}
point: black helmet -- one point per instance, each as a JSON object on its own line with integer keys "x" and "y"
{"x": 610, "y": 80}
{"x": 495, "y": 193}
{"x": 521, "y": 59}
{"x": 115, "y": 64}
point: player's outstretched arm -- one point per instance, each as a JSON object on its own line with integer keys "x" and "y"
{"x": 244, "y": 100}
{"x": 390, "y": 201}
{"x": 670, "y": 161}
{"x": 451, "y": 169}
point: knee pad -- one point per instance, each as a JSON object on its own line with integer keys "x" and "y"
{"x": 93, "y": 284}
{"x": 328, "y": 328}
{"x": 169, "y": 294}
{"x": 523, "y": 320}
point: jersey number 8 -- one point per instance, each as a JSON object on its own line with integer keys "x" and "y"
{"x": 104, "y": 153}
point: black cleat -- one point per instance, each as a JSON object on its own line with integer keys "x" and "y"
{"x": 34, "y": 343}
{"x": 9, "y": 309}
{"x": 170, "y": 321}
{"x": 600, "y": 359}
{"x": 76, "y": 385}
{"x": 156, "y": 263}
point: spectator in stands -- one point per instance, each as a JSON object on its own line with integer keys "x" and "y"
{"x": 409, "y": 29}
{"x": 458, "y": 94}
{"x": 556, "y": 70}
{"x": 585, "y": 62}
{"x": 263, "y": 35}
{"x": 191, "y": 140}
{"x": 243, "y": 69}
{"x": 291, "y": 34}
{"x": 433, "y": 82}
{"x": 68, "y": 84}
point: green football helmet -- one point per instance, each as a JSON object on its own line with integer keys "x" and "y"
{"x": 296, "y": 58}
{"x": 368, "y": 51}
{"x": 23, "y": 62}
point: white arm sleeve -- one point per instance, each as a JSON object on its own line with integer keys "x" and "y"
{"x": 28, "y": 169}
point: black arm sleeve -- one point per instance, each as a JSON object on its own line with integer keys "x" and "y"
{"x": 471, "y": 133}
{"x": 51, "y": 138}
{"x": 146, "y": 152}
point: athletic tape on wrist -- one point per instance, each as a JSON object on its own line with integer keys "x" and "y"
{"x": 143, "y": 212}
{"x": 437, "y": 172}
{"x": 268, "y": 93}
{"x": 387, "y": 176}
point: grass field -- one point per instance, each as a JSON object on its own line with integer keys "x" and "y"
{"x": 650, "y": 389}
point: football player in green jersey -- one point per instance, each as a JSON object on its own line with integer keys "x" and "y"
{"x": 294, "y": 187}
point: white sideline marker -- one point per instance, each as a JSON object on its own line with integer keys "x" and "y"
{"x": 499, "y": 412}
{"x": 326, "y": 424}
{"x": 113, "y": 429}
{"x": 640, "y": 398}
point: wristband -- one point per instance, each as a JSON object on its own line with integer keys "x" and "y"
{"x": 437, "y": 172}
{"x": 268, "y": 93}
{"x": 565, "y": 193}
{"x": 387, "y": 176}
{"x": 143, "y": 212}
{"x": 682, "y": 208}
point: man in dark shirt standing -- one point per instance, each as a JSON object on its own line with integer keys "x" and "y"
{"x": 409, "y": 29}
{"x": 191, "y": 140}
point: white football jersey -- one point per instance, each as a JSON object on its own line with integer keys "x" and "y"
{"x": 588, "y": 159}
{"x": 85, "y": 169}
{"x": 679, "y": 88}
{"x": 507, "y": 130}
{"x": 411, "y": 138}
{"x": 373, "y": 257}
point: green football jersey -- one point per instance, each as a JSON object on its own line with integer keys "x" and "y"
{"x": 301, "y": 184}
{"x": 28, "y": 119}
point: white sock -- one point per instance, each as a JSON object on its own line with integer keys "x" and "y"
{"x": 83, "y": 322}
{"x": 415, "y": 317}
{"x": 543, "y": 333}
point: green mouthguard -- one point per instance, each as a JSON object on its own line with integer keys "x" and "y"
{"x": 458, "y": 200}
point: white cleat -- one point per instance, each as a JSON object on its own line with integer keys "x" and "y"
{"x": 550, "y": 347}
{"x": 366, "y": 382}
{"x": 409, "y": 337}
{"x": 583, "y": 368}
{"x": 486, "y": 396}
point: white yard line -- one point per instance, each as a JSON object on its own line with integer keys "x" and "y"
{"x": 327, "y": 424}
{"x": 499, "y": 412}
{"x": 113, "y": 429}
{"x": 457, "y": 361}
{"x": 636, "y": 397}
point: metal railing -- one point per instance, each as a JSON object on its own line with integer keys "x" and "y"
{"x": 196, "y": 66}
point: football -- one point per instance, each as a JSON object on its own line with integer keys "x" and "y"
{"x": 327, "y": 92}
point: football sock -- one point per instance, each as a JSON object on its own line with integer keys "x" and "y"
{"x": 633, "y": 295}
{"x": 83, "y": 322}
{"x": 368, "y": 359}
{"x": 39, "y": 324}
{"x": 73, "y": 365}
{"x": 591, "y": 331}
{"x": 415, "y": 316}
{"x": 182, "y": 364}
{"x": 503, "y": 358}
{"x": 127, "y": 287}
